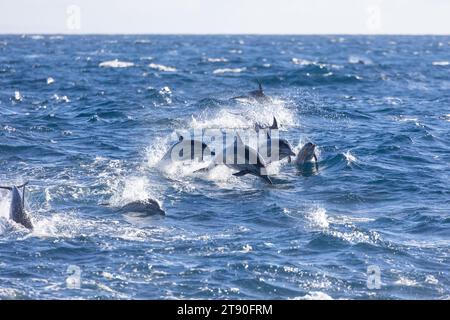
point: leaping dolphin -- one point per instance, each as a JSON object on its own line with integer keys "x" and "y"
{"x": 17, "y": 211}
{"x": 188, "y": 149}
{"x": 242, "y": 161}
{"x": 257, "y": 95}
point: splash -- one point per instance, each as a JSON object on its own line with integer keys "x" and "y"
{"x": 350, "y": 157}
{"x": 161, "y": 67}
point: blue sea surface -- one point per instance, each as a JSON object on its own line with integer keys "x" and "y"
{"x": 87, "y": 119}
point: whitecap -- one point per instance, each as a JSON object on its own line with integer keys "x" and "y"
{"x": 315, "y": 295}
{"x": 61, "y": 98}
{"x": 217, "y": 60}
{"x": 115, "y": 64}
{"x": 318, "y": 218}
{"x": 161, "y": 67}
{"x": 302, "y": 62}
{"x": 441, "y": 63}
{"x": 229, "y": 70}
{"x": 50, "y": 80}
{"x": 403, "y": 281}
{"x": 9, "y": 128}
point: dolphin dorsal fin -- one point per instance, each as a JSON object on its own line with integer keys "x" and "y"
{"x": 259, "y": 86}
{"x": 239, "y": 139}
{"x": 274, "y": 124}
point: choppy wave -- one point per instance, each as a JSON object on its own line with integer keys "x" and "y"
{"x": 161, "y": 67}
{"x": 92, "y": 140}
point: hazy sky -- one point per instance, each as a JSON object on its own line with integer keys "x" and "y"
{"x": 226, "y": 16}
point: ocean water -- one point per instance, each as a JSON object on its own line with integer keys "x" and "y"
{"x": 87, "y": 119}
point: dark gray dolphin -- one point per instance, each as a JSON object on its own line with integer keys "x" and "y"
{"x": 188, "y": 149}
{"x": 257, "y": 95}
{"x": 285, "y": 149}
{"x": 307, "y": 154}
{"x": 242, "y": 161}
{"x": 17, "y": 211}
{"x": 147, "y": 207}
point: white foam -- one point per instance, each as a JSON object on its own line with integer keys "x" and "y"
{"x": 350, "y": 157}
{"x": 229, "y": 70}
{"x": 217, "y": 60}
{"x": 441, "y": 63}
{"x": 62, "y": 98}
{"x": 161, "y": 67}
{"x": 315, "y": 295}
{"x": 403, "y": 281}
{"x": 318, "y": 218}
{"x": 115, "y": 64}
{"x": 302, "y": 62}
{"x": 50, "y": 80}
{"x": 18, "y": 96}
{"x": 431, "y": 279}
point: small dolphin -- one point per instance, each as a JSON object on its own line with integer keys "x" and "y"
{"x": 188, "y": 149}
{"x": 257, "y": 95}
{"x": 17, "y": 211}
{"x": 241, "y": 162}
{"x": 147, "y": 207}
{"x": 306, "y": 155}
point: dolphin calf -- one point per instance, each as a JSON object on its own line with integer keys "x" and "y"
{"x": 256, "y": 95}
{"x": 306, "y": 155}
{"x": 17, "y": 211}
{"x": 188, "y": 149}
{"x": 147, "y": 207}
{"x": 242, "y": 161}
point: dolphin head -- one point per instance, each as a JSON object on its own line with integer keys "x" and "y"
{"x": 307, "y": 153}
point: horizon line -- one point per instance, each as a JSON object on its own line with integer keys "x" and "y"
{"x": 217, "y": 34}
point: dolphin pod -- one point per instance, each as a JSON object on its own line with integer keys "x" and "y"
{"x": 242, "y": 163}
{"x": 17, "y": 211}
